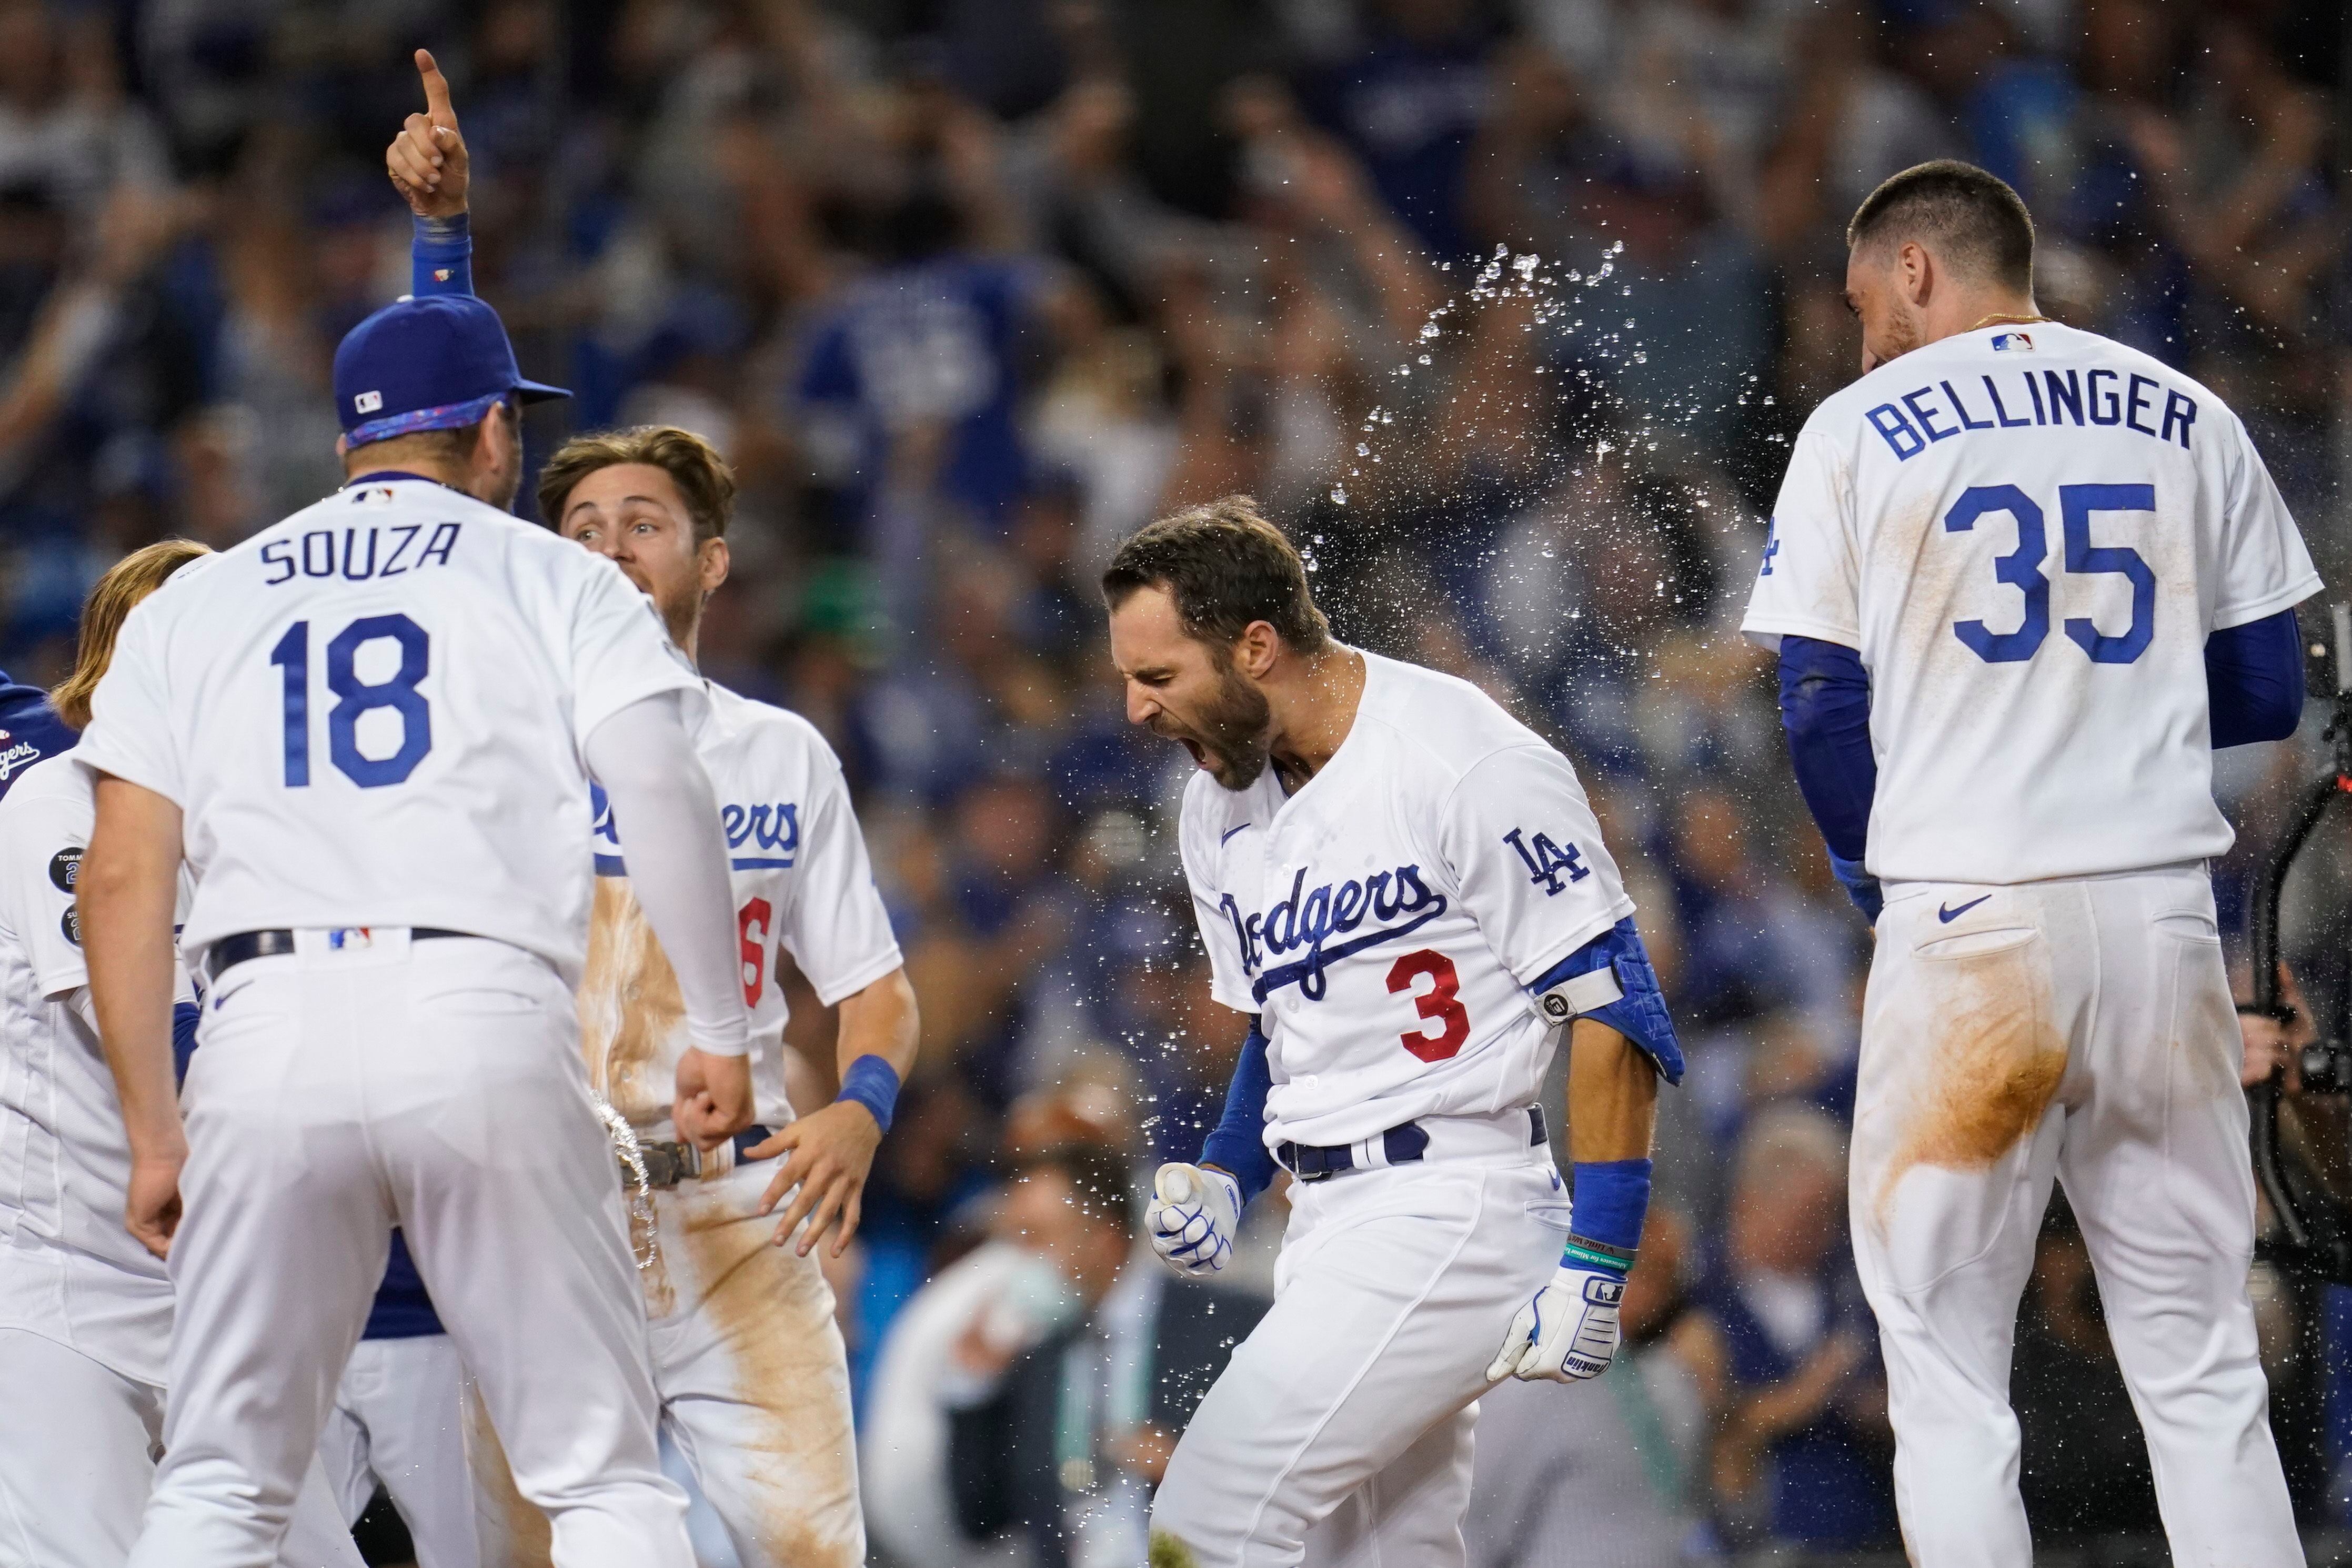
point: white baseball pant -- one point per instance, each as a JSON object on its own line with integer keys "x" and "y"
{"x": 77, "y": 1443}
{"x": 753, "y": 1380}
{"x": 2082, "y": 1029}
{"x": 1340, "y": 1432}
{"x": 399, "y": 1422}
{"x": 437, "y": 1088}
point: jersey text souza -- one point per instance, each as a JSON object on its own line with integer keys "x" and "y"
{"x": 388, "y": 549}
{"x": 2027, "y": 397}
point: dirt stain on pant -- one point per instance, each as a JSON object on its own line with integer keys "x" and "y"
{"x": 630, "y": 1006}
{"x": 1996, "y": 1062}
{"x": 796, "y": 1460}
{"x": 513, "y": 1533}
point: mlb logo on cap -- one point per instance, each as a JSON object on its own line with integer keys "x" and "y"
{"x": 436, "y": 363}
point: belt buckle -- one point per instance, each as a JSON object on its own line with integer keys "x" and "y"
{"x": 667, "y": 1164}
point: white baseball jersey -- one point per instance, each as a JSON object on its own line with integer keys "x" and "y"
{"x": 69, "y": 1269}
{"x": 802, "y": 883}
{"x": 2029, "y": 532}
{"x": 372, "y": 713}
{"x": 1387, "y": 920}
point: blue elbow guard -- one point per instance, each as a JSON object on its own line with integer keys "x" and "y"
{"x": 1237, "y": 1143}
{"x": 185, "y": 1016}
{"x": 1610, "y": 979}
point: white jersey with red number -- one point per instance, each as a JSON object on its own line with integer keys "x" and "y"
{"x": 803, "y": 885}
{"x": 2029, "y": 532}
{"x": 1386, "y": 920}
{"x": 372, "y": 714}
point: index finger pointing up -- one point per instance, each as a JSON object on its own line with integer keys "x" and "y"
{"x": 437, "y": 91}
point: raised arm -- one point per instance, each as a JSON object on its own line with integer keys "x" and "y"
{"x": 430, "y": 169}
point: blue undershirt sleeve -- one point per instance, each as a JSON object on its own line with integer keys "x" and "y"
{"x": 2253, "y": 680}
{"x": 1237, "y": 1143}
{"x": 441, "y": 257}
{"x": 1825, "y": 709}
{"x": 185, "y": 1016}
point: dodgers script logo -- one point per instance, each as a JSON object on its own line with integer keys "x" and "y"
{"x": 770, "y": 831}
{"x": 1398, "y": 900}
{"x": 20, "y": 754}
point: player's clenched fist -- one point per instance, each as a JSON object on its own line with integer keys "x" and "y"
{"x": 1567, "y": 1333}
{"x": 1193, "y": 1214}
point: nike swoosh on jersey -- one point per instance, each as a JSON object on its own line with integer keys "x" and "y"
{"x": 1948, "y": 916}
{"x": 1228, "y": 833}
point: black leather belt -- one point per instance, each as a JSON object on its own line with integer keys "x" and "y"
{"x": 231, "y": 951}
{"x": 668, "y": 1163}
{"x": 1401, "y": 1144}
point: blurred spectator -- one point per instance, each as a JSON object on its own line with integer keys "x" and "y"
{"x": 1071, "y": 1385}
{"x": 1802, "y": 1455}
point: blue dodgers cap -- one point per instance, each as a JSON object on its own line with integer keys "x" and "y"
{"x": 434, "y": 363}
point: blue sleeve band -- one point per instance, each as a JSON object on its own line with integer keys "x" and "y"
{"x": 2253, "y": 680}
{"x": 185, "y": 1016}
{"x": 441, "y": 257}
{"x": 1237, "y": 1143}
{"x": 1609, "y": 1201}
{"x": 874, "y": 1084}
{"x": 1641, "y": 1014}
{"x": 1825, "y": 709}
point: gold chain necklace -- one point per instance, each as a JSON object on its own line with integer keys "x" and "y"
{"x": 1999, "y": 320}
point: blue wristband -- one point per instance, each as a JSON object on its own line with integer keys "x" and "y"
{"x": 1610, "y": 1199}
{"x": 1859, "y": 885}
{"x": 441, "y": 257}
{"x": 874, "y": 1084}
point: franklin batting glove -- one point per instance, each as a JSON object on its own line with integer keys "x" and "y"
{"x": 1567, "y": 1333}
{"x": 1193, "y": 1217}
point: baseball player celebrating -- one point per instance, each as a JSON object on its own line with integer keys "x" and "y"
{"x": 748, "y": 1358}
{"x": 85, "y": 1310}
{"x": 370, "y": 729}
{"x": 1406, "y": 891}
{"x": 2023, "y": 581}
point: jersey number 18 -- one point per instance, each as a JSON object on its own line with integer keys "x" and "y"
{"x": 355, "y": 698}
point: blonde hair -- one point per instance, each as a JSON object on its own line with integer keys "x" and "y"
{"x": 126, "y": 583}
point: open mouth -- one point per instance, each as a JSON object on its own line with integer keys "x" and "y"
{"x": 1200, "y": 755}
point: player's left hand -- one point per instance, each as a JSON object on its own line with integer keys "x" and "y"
{"x": 151, "y": 1209}
{"x": 427, "y": 160}
{"x": 1567, "y": 1333}
{"x": 831, "y": 1153}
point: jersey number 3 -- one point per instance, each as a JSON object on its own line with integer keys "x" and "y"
{"x": 355, "y": 698}
{"x": 1441, "y": 1003}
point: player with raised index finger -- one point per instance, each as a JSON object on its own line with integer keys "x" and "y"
{"x": 749, "y": 1363}
{"x": 1406, "y": 889}
{"x": 2023, "y": 581}
{"x": 370, "y": 730}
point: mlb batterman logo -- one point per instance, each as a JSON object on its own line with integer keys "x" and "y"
{"x": 2012, "y": 342}
{"x": 367, "y": 401}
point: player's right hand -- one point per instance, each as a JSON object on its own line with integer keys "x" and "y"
{"x": 151, "y": 1209}
{"x": 1193, "y": 1214}
{"x": 714, "y": 1098}
{"x": 427, "y": 160}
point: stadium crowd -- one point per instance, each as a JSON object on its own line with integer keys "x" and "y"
{"x": 1508, "y": 311}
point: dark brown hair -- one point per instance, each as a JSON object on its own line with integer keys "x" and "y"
{"x": 118, "y": 593}
{"x": 693, "y": 464}
{"x": 1225, "y": 566}
{"x": 1972, "y": 219}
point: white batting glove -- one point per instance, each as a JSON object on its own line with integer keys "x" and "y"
{"x": 1193, "y": 1217}
{"x": 1567, "y": 1333}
